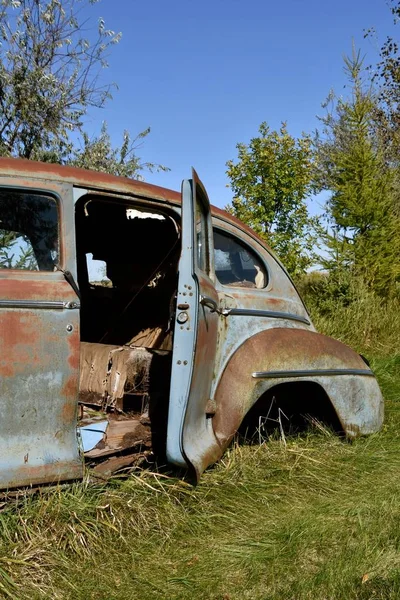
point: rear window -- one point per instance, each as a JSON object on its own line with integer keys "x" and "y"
{"x": 29, "y": 238}
{"x": 237, "y": 265}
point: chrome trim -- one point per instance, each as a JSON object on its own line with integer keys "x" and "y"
{"x": 312, "y": 372}
{"x": 253, "y": 312}
{"x": 50, "y": 304}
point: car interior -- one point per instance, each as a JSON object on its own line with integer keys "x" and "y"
{"x": 127, "y": 269}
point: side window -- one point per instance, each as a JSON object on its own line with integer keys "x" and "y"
{"x": 97, "y": 272}
{"x": 28, "y": 231}
{"x": 237, "y": 265}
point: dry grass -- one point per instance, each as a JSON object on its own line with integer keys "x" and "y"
{"x": 316, "y": 518}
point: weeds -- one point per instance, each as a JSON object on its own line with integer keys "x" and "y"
{"x": 314, "y": 518}
{"x": 354, "y": 315}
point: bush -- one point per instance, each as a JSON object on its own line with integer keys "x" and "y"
{"x": 344, "y": 308}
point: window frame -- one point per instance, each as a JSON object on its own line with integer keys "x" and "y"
{"x": 245, "y": 241}
{"x": 54, "y": 195}
{"x": 200, "y": 203}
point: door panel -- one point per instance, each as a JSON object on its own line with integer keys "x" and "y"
{"x": 190, "y": 436}
{"x": 39, "y": 348}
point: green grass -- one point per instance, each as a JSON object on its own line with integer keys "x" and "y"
{"x": 309, "y": 520}
{"x": 317, "y": 518}
{"x": 369, "y": 325}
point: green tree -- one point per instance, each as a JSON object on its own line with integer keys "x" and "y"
{"x": 49, "y": 73}
{"x": 352, "y": 165}
{"x": 51, "y": 59}
{"x": 99, "y": 154}
{"x": 386, "y": 77}
{"x": 50, "y": 64}
{"x": 15, "y": 253}
{"x": 270, "y": 182}
{"x": 386, "y": 74}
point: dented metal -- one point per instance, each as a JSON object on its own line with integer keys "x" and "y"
{"x": 167, "y": 354}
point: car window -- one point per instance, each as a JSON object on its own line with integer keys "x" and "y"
{"x": 28, "y": 231}
{"x": 236, "y": 264}
{"x": 203, "y": 261}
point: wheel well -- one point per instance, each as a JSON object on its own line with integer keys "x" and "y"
{"x": 289, "y": 408}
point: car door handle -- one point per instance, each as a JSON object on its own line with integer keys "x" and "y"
{"x": 209, "y": 302}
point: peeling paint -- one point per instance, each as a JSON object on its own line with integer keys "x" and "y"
{"x": 57, "y": 362}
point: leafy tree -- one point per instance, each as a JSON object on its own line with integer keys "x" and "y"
{"x": 386, "y": 74}
{"x": 49, "y": 73}
{"x": 50, "y": 65}
{"x": 352, "y": 164}
{"x": 270, "y": 181}
{"x": 99, "y": 154}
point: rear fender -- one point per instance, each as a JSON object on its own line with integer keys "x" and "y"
{"x": 290, "y": 355}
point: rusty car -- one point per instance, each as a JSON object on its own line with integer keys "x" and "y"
{"x": 139, "y": 323}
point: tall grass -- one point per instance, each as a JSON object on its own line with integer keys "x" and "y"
{"x": 351, "y": 313}
{"x": 316, "y": 518}
{"x": 369, "y": 325}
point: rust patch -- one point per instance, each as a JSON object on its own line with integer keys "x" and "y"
{"x": 17, "y": 168}
{"x": 16, "y": 328}
{"x": 278, "y": 349}
{"x": 12, "y": 167}
{"x": 70, "y": 387}
{"x": 18, "y": 337}
{"x": 38, "y": 289}
{"x": 50, "y": 473}
{"x": 68, "y": 413}
{"x": 7, "y": 370}
{"x": 74, "y": 349}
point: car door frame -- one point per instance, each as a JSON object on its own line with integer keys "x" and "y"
{"x": 39, "y": 365}
{"x": 190, "y": 436}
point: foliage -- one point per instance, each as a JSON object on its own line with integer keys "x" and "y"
{"x": 16, "y": 252}
{"x": 98, "y": 154}
{"x": 387, "y": 76}
{"x": 352, "y": 165}
{"x": 50, "y": 63}
{"x": 270, "y": 182}
{"x": 344, "y": 307}
{"x": 49, "y": 73}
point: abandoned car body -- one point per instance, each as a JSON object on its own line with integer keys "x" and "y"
{"x": 136, "y": 321}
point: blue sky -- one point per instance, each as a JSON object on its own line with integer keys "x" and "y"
{"x": 204, "y": 75}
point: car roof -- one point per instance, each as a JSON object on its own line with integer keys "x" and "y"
{"x": 18, "y": 167}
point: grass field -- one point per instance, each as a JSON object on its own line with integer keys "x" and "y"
{"x": 317, "y": 518}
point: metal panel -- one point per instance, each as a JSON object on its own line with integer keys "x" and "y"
{"x": 190, "y": 433}
{"x": 39, "y": 366}
{"x": 249, "y": 310}
{"x": 288, "y": 354}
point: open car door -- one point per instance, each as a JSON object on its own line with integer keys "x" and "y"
{"x": 190, "y": 436}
